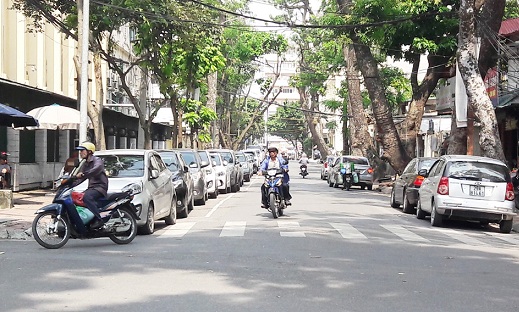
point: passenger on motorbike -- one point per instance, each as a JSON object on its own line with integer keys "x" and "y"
{"x": 303, "y": 161}
{"x": 94, "y": 171}
{"x": 273, "y": 162}
{"x": 5, "y": 172}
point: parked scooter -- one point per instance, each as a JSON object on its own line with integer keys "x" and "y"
{"x": 304, "y": 171}
{"x": 68, "y": 218}
{"x": 273, "y": 182}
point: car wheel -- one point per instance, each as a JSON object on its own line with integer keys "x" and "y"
{"x": 322, "y": 176}
{"x": 370, "y": 187}
{"x": 201, "y": 202}
{"x": 330, "y": 184}
{"x": 420, "y": 214}
{"x": 191, "y": 204}
{"x": 436, "y": 218}
{"x": 406, "y": 206}
{"x": 363, "y": 187}
{"x": 392, "y": 201}
{"x": 185, "y": 210}
{"x": 172, "y": 217}
{"x": 505, "y": 226}
{"x": 149, "y": 227}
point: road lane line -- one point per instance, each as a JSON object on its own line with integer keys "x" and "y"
{"x": 233, "y": 228}
{"x": 290, "y": 226}
{"x": 348, "y": 231}
{"x": 461, "y": 237}
{"x": 218, "y": 205}
{"x": 504, "y": 237}
{"x": 178, "y": 230}
{"x": 404, "y": 233}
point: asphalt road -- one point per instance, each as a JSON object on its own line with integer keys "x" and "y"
{"x": 333, "y": 251}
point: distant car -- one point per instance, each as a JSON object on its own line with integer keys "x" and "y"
{"x": 194, "y": 162}
{"x": 362, "y": 168}
{"x": 467, "y": 188}
{"x": 233, "y": 165}
{"x": 223, "y": 174}
{"x": 145, "y": 168}
{"x": 255, "y": 154}
{"x": 210, "y": 174}
{"x": 405, "y": 188}
{"x": 246, "y": 166}
{"x": 326, "y": 165}
{"x": 182, "y": 181}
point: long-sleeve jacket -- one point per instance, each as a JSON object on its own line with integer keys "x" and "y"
{"x": 282, "y": 165}
{"x": 94, "y": 171}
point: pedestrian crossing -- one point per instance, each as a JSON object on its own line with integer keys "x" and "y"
{"x": 345, "y": 231}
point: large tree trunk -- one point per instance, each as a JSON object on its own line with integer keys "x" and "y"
{"x": 491, "y": 16}
{"x": 456, "y": 144}
{"x": 95, "y": 111}
{"x": 212, "y": 81}
{"x": 394, "y": 150}
{"x": 476, "y": 92}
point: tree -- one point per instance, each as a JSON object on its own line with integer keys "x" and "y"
{"x": 288, "y": 123}
{"x": 476, "y": 91}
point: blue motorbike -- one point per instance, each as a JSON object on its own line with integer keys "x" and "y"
{"x": 273, "y": 183}
{"x": 66, "y": 217}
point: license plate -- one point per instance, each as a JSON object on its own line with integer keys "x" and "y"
{"x": 476, "y": 190}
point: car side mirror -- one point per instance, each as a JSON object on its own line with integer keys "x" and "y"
{"x": 423, "y": 173}
{"x": 154, "y": 173}
{"x": 225, "y": 163}
{"x": 204, "y": 164}
{"x": 186, "y": 169}
{"x": 193, "y": 165}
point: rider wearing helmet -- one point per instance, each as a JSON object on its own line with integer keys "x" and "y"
{"x": 274, "y": 162}
{"x": 93, "y": 170}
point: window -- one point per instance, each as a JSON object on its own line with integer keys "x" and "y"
{"x": 27, "y": 146}
{"x": 118, "y": 166}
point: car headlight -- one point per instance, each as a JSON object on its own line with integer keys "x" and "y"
{"x": 134, "y": 188}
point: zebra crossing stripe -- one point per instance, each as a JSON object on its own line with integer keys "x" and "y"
{"x": 290, "y": 226}
{"x": 404, "y": 233}
{"x": 348, "y": 231}
{"x": 233, "y": 228}
{"x": 505, "y": 237}
{"x": 178, "y": 230}
{"x": 461, "y": 237}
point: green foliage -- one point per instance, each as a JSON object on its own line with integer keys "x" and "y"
{"x": 288, "y": 122}
{"x": 397, "y": 86}
{"x": 511, "y": 9}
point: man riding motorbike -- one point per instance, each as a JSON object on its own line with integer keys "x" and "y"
{"x": 278, "y": 163}
{"x": 94, "y": 171}
{"x": 303, "y": 161}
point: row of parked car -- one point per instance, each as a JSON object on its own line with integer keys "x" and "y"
{"x": 458, "y": 187}
{"x": 173, "y": 181}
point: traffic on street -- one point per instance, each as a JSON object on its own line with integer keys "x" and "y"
{"x": 332, "y": 250}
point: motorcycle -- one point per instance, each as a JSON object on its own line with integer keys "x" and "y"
{"x": 273, "y": 182}
{"x": 66, "y": 217}
{"x": 348, "y": 179}
{"x": 304, "y": 171}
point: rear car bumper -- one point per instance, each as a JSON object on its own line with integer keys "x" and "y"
{"x": 480, "y": 210}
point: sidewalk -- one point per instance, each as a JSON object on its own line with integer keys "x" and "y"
{"x": 15, "y": 223}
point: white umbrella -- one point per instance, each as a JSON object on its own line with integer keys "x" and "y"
{"x": 57, "y": 117}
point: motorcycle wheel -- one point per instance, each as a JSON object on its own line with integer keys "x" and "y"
{"x": 127, "y": 236}
{"x": 274, "y": 206}
{"x": 50, "y": 232}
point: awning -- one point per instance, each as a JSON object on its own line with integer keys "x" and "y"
{"x": 510, "y": 99}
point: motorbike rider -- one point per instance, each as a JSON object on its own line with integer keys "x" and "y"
{"x": 303, "y": 161}
{"x": 274, "y": 162}
{"x": 94, "y": 171}
{"x": 5, "y": 171}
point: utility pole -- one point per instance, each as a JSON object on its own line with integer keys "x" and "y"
{"x": 84, "y": 7}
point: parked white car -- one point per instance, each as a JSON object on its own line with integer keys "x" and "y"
{"x": 223, "y": 175}
{"x": 467, "y": 188}
{"x": 145, "y": 168}
{"x": 210, "y": 174}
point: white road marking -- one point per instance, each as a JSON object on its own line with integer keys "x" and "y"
{"x": 461, "y": 237}
{"x": 233, "y": 228}
{"x": 404, "y": 233}
{"x": 512, "y": 239}
{"x": 178, "y": 230}
{"x": 348, "y": 231}
{"x": 290, "y": 225}
{"x": 218, "y": 205}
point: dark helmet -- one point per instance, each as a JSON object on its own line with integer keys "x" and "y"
{"x": 273, "y": 149}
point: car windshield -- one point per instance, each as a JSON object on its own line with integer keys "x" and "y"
{"x": 227, "y": 156}
{"x": 241, "y": 157}
{"x": 426, "y": 164}
{"x": 252, "y": 154}
{"x": 171, "y": 161}
{"x": 189, "y": 157}
{"x": 123, "y": 166}
{"x": 216, "y": 159}
{"x": 477, "y": 171}
{"x": 357, "y": 161}
{"x": 203, "y": 156}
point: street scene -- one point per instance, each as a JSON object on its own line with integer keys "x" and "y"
{"x": 273, "y": 155}
{"x": 333, "y": 250}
